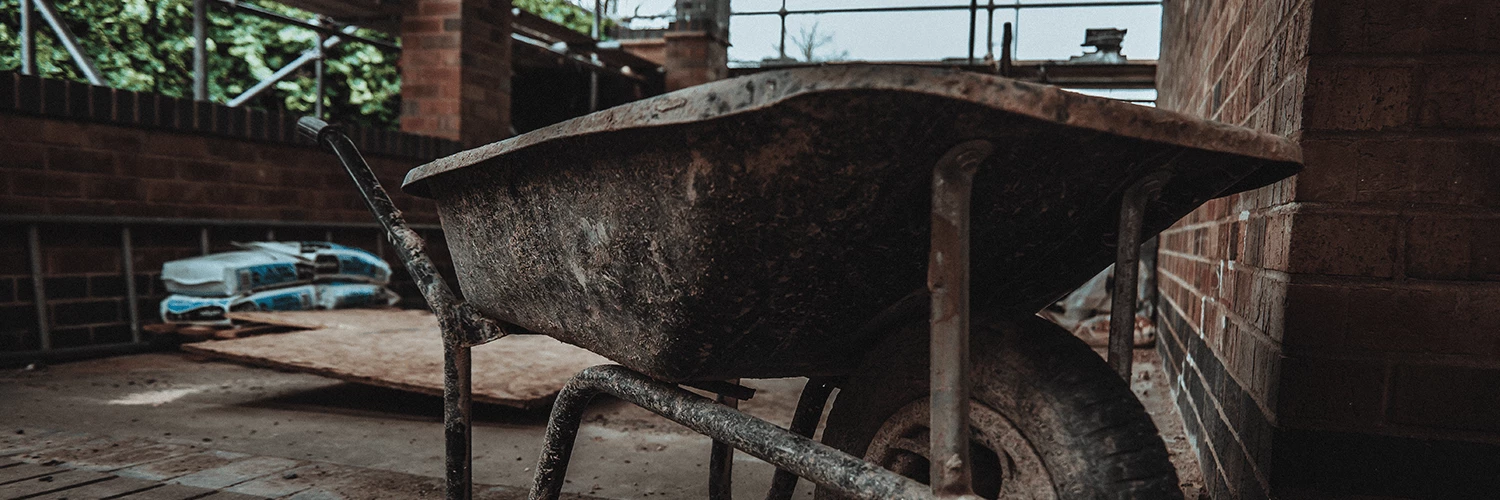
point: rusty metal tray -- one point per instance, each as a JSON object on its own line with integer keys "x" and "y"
{"x": 752, "y": 227}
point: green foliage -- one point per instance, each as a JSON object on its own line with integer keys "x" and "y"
{"x": 561, "y": 12}
{"x": 147, "y": 45}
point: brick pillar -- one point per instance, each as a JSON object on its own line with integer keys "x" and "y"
{"x": 455, "y": 70}
{"x": 697, "y": 47}
{"x": 695, "y": 58}
{"x": 1337, "y": 335}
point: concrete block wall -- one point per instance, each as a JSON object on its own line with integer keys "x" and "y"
{"x": 1339, "y": 333}
{"x": 74, "y": 150}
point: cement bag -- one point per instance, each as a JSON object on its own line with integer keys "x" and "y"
{"x": 348, "y": 295}
{"x": 332, "y": 262}
{"x": 213, "y": 310}
{"x": 231, "y": 274}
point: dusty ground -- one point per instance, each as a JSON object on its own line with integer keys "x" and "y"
{"x": 622, "y": 452}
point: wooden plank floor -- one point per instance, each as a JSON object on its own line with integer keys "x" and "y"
{"x": 72, "y": 466}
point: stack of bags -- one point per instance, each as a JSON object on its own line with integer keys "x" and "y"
{"x": 273, "y": 276}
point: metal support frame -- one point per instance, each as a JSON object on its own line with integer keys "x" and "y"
{"x": 28, "y": 38}
{"x": 782, "y": 13}
{"x": 323, "y": 28}
{"x": 804, "y": 423}
{"x": 200, "y": 50}
{"x": 309, "y": 55}
{"x": 64, "y": 36}
{"x": 1127, "y": 256}
{"x": 948, "y": 284}
{"x": 132, "y": 299}
{"x": 320, "y": 70}
{"x": 39, "y": 287}
{"x": 920, "y": 8}
{"x": 973, "y": 17}
{"x": 800, "y": 455}
{"x": 594, "y": 56}
{"x": 721, "y": 459}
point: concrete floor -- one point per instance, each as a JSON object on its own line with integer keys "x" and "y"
{"x": 622, "y": 451}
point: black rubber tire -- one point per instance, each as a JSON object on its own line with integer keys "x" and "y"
{"x": 1090, "y": 432}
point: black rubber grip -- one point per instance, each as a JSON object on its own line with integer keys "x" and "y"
{"x": 311, "y": 127}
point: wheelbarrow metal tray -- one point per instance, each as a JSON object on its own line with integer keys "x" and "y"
{"x": 750, "y": 227}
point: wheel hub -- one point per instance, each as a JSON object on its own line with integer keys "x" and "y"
{"x": 1005, "y": 465}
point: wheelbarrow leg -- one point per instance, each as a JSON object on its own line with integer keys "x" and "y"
{"x": 462, "y": 326}
{"x": 458, "y": 426}
{"x": 819, "y": 463}
{"x": 721, "y": 460}
{"x": 804, "y": 423}
{"x": 948, "y": 282}
{"x": 1127, "y": 257}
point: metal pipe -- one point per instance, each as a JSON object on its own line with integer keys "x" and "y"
{"x": 783, "y": 13}
{"x": 200, "y": 50}
{"x": 973, "y": 18}
{"x": 830, "y": 468}
{"x": 319, "y": 68}
{"x": 307, "y": 56}
{"x": 127, "y": 256}
{"x": 948, "y": 284}
{"x": 461, "y": 324}
{"x": 1148, "y": 292}
{"x": 167, "y": 221}
{"x": 591, "y": 64}
{"x": 594, "y": 56}
{"x": 28, "y": 38}
{"x": 69, "y": 42}
{"x": 458, "y": 428}
{"x": 246, "y": 8}
{"x": 1005, "y": 57}
{"x": 989, "y": 32}
{"x": 804, "y": 423}
{"x": 203, "y": 245}
{"x": 920, "y": 8}
{"x": 39, "y": 287}
{"x": 721, "y": 459}
{"x": 1127, "y": 256}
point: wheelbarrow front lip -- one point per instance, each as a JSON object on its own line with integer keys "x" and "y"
{"x": 762, "y": 90}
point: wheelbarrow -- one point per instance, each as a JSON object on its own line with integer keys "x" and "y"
{"x": 889, "y": 231}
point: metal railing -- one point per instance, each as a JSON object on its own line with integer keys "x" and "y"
{"x": 974, "y": 7}
{"x": 330, "y": 34}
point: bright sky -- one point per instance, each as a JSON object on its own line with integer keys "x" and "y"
{"x": 1041, "y": 33}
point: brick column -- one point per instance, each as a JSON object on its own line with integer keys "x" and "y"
{"x": 695, "y": 58}
{"x": 455, "y": 69}
{"x": 1338, "y": 334}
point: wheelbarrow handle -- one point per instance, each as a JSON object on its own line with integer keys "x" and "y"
{"x": 460, "y": 322}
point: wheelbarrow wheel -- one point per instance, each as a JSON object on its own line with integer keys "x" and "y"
{"x": 1050, "y": 420}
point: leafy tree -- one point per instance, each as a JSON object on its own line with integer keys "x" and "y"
{"x": 147, "y": 45}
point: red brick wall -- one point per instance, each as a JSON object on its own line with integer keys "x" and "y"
{"x": 1346, "y": 321}
{"x": 69, "y": 149}
{"x": 455, "y": 69}
{"x": 1223, "y": 268}
{"x": 694, "y": 58}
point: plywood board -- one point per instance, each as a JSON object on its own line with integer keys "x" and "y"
{"x": 402, "y": 350}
